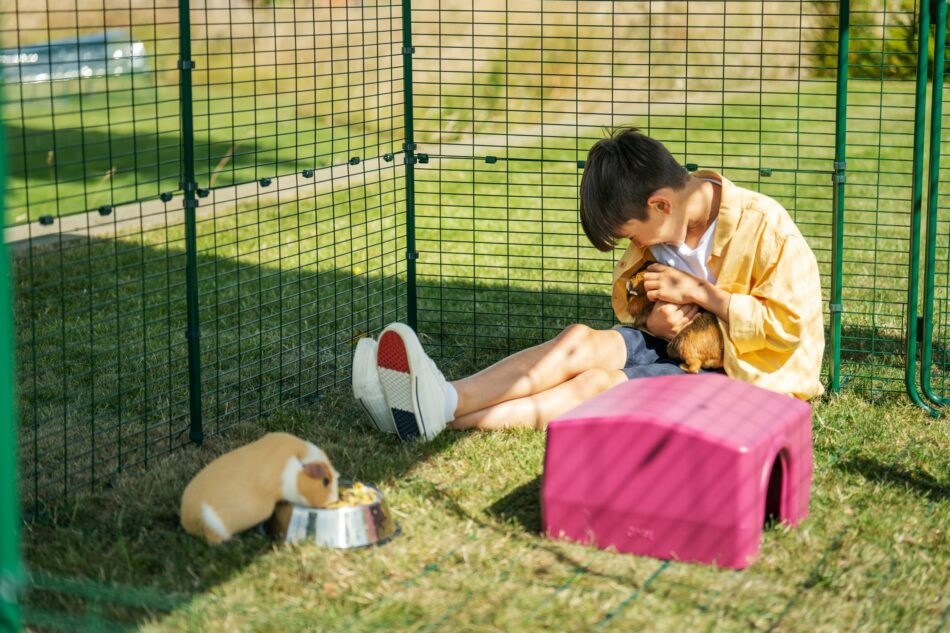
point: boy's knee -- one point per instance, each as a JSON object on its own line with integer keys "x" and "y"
{"x": 573, "y": 338}
{"x": 571, "y": 349}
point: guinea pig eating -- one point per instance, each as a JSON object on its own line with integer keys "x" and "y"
{"x": 697, "y": 346}
{"x": 240, "y": 489}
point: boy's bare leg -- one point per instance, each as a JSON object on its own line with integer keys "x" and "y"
{"x": 541, "y": 368}
{"x": 537, "y": 410}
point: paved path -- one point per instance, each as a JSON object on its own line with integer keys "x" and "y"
{"x": 139, "y": 217}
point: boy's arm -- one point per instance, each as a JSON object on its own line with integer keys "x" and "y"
{"x": 714, "y": 299}
{"x": 771, "y": 314}
{"x": 784, "y": 297}
{"x": 780, "y": 303}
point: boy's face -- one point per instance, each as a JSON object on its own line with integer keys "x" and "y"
{"x": 663, "y": 224}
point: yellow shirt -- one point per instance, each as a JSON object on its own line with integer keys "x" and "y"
{"x": 775, "y": 337}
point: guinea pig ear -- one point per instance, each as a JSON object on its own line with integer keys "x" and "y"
{"x": 631, "y": 287}
{"x": 317, "y": 470}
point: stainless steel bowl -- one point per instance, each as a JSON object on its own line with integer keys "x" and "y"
{"x": 346, "y": 527}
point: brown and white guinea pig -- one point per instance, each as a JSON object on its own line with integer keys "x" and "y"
{"x": 698, "y": 345}
{"x": 239, "y": 489}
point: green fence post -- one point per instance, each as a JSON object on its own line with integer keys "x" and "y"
{"x": 920, "y": 111}
{"x": 10, "y": 570}
{"x": 930, "y": 269}
{"x": 190, "y": 189}
{"x": 838, "y": 178}
{"x": 410, "y": 162}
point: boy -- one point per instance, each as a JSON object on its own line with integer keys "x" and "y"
{"x": 722, "y": 248}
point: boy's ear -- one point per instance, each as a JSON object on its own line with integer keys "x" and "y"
{"x": 660, "y": 201}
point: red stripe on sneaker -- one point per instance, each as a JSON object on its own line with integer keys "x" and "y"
{"x": 391, "y": 353}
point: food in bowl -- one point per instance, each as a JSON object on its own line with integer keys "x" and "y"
{"x": 358, "y": 494}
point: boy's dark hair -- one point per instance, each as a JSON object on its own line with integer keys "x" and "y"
{"x": 621, "y": 173}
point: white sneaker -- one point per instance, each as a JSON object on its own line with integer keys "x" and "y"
{"x": 366, "y": 386}
{"x": 413, "y": 385}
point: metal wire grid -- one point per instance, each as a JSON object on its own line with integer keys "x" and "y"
{"x": 101, "y": 359}
{"x": 104, "y": 138}
{"x": 328, "y": 264}
{"x": 302, "y": 227}
{"x": 503, "y": 162}
{"x": 305, "y": 106}
{"x": 98, "y": 349}
{"x": 878, "y": 199}
{"x": 301, "y": 233}
{"x": 509, "y": 97}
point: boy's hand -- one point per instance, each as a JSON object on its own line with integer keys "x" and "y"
{"x": 668, "y": 319}
{"x": 664, "y": 283}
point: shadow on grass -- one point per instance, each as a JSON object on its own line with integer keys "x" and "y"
{"x": 102, "y": 356}
{"x": 915, "y": 480}
{"x": 103, "y": 392}
{"x": 520, "y": 514}
{"x": 103, "y": 383}
{"x": 521, "y": 507}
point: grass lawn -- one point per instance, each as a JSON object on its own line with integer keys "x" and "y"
{"x": 872, "y": 556}
{"x": 285, "y": 290}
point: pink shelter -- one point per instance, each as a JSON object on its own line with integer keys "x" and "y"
{"x": 681, "y": 467}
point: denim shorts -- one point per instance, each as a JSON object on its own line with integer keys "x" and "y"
{"x": 646, "y": 355}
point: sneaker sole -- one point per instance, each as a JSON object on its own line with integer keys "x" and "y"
{"x": 364, "y": 361}
{"x": 399, "y": 385}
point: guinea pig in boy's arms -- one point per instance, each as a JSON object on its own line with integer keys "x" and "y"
{"x": 697, "y": 346}
{"x": 239, "y": 489}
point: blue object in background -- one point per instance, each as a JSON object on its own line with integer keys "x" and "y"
{"x": 113, "y": 52}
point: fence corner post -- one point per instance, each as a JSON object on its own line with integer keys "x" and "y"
{"x": 409, "y": 147}
{"x": 190, "y": 189}
{"x": 838, "y": 179}
{"x": 913, "y": 282}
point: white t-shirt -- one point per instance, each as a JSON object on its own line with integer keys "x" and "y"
{"x": 689, "y": 260}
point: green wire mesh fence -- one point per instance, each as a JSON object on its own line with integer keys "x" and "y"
{"x": 511, "y": 96}
{"x": 300, "y": 112}
{"x": 879, "y": 157}
{"x": 207, "y": 205}
{"x": 299, "y": 233}
{"x": 97, "y": 344}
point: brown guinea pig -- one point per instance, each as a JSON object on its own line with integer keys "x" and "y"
{"x": 239, "y": 489}
{"x": 698, "y": 345}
